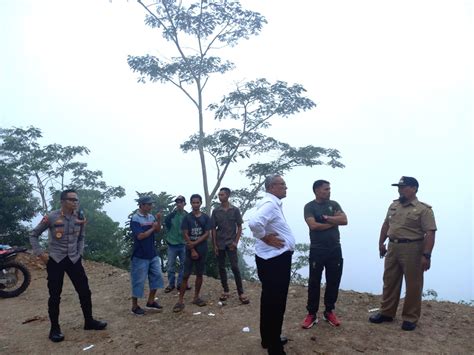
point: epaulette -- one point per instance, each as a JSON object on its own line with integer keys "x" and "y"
{"x": 425, "y": 204}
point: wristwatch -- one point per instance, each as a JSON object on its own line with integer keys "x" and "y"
{"x": 427, "y": 256}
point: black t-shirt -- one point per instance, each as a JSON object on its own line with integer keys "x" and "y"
{"x": 329, "y": 238}
{"x": 196, "y": 226}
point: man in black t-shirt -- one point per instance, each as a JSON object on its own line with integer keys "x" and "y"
{"x": 196, "y": 228}
{"x": 323, "y": 217}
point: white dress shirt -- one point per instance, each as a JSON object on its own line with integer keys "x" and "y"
{"x": 268, "y": 219}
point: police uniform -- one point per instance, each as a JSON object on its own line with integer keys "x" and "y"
{"x": 65, "y": 247}
{"x": 408, "y": 223}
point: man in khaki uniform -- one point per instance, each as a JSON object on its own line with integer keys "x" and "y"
{"x": 410, "y": 227}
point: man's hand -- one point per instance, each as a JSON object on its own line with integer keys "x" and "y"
{"x": 194, "y": 254}
{"x": 425, "y": 263}
{"x": 321, "y": 218}
{"x": 216, "y": 250}
{"x": 273, "y": 240}
{"x": 156, "y": 226}
{"x": 44, "y": 258}
{"x": 190, "y": 245}
{"x": 382, "y": 250}
{"x": 233, "y": 246}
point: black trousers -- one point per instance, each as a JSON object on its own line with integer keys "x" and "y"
{"x": 274, "y": 274}
{"x": 234, "y": 265}
{"x": 78, "y": 277}
{"x": 332, "y": 262}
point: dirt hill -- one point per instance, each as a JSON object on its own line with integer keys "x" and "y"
{"x": 445, "y": 327}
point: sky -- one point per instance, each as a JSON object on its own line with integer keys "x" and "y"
{"x": 393, "y": 84}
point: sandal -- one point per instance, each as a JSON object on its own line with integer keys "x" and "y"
{"x": 199, "y": 302}
{"x": 187, "y": 288}
{"x": 168, "y": 289}
{"x": 243, "y": 299}
{"x": 224, "y": 296}
{"x": 178, "y": 307}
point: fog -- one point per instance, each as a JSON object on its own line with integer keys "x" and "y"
{"x": 392, "y": 82}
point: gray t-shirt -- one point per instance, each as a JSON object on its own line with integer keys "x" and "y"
{"x": 327, "y": 239}
{"x": 226, "y": 223}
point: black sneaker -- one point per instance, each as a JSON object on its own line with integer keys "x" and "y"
{"x": 379, "y": 318}
{"x": 138, "y": 311}
{"x": 155, "y": 306}
{"x": 55, "y": 335}
{"x": 94, "y": 324}
{"x": 406, "y": 325}
{"x": 283, "y": 341}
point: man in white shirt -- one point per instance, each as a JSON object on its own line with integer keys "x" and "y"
{"x": 273, "y": 249}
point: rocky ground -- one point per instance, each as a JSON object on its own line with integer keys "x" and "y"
{"x": 445, "y": 327}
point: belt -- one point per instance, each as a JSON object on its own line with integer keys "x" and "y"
{"x": 401, "y": 240}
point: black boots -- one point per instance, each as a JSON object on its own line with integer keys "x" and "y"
{"x": 55, "y": 334}
{"x": 92, "y": 324}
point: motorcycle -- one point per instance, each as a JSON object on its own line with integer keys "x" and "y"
{"x": 14, "y": 276}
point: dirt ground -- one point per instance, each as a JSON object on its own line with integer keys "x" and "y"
{"x": 445, "y": 327}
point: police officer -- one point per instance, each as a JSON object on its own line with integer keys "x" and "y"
{"x": 66, "y": 244}
{"x": 410, "y": 227}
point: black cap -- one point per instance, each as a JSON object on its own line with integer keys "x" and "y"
{"x": 144, "y": 199}
{"x": 180, "y": 198}
{"x": 407, "y": 181}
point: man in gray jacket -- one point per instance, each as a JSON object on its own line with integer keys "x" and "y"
{"x": 66, "y": 245}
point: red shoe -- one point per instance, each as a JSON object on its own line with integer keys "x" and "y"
{"x": 309, "y": 321}
{"x": 331, "y": 318}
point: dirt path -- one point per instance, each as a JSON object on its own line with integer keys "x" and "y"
{"x": 445, "y": 327}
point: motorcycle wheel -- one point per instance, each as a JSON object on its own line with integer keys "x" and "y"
{"x": 21, "y": 283}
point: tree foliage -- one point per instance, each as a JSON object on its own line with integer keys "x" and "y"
{"x": 17, "y": 206}
{"x": 27, "y": 167}
{"x": 253, "y": 105}
{"x": 52, "y": 167}
{"x": 300, "y": 260}
{"x": 103, "y": 239}
{"x": 196, "y": 31}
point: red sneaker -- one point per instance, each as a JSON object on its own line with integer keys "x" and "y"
{"x": 331, "y": 318}
{"x": 309, "y": 321}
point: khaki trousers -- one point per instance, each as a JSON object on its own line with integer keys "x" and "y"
{"x": 403, "y": 259}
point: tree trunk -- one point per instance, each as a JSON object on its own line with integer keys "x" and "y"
{"x": 207, "y": 198}
{"x": 41, "y": 191}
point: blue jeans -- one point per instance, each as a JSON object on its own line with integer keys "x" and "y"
{"x": 175, "y": 251}
{"x": 140, "y": 269}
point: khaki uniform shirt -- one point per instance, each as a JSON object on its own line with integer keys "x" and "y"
{"x": 65, "y": 236}
{"x": 410, "y": 220}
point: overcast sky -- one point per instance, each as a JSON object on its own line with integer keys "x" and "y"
{"x": 393, "y": 82}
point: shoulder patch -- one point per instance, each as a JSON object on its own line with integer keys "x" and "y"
{"x": 45, "y": 219}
